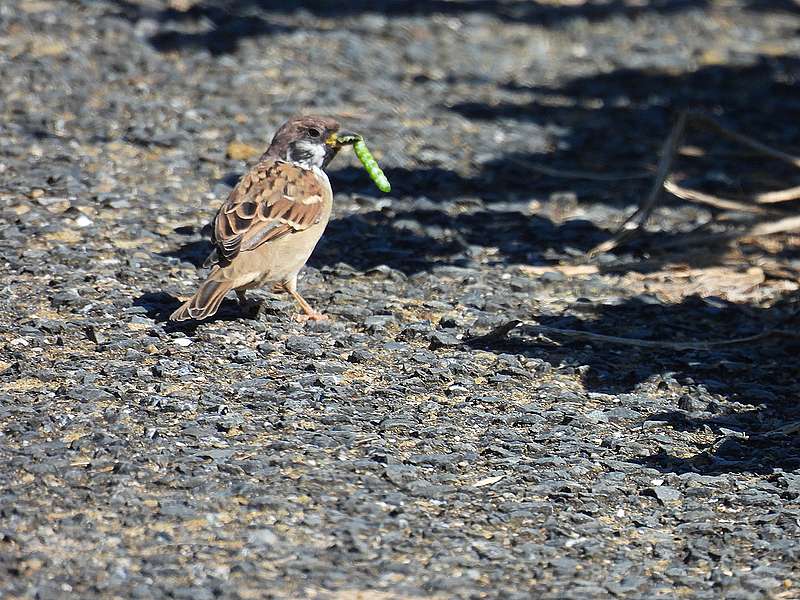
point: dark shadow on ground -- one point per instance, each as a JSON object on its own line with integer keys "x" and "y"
{"x": 216, "y": 27}
{"x": 617, "y": 121}
{"x": 497, "y": 180}
{"x": 419, "y": 240}
{"x": 773, "y": 6}
{"x": 747, "y": 391}
{"x": 160, "y": 305}
{"x": 220, "y": 25}
{"x": 423, "y": 237}
{"x": 455, "y": 224}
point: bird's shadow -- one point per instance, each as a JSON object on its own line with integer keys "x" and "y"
{"x": 160, "y": 305}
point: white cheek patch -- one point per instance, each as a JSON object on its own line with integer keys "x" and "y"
{"x": 307, "y": 154}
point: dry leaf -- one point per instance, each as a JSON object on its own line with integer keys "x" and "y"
{"x": 568, "y": 270}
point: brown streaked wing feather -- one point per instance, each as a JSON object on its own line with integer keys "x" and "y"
{"x": 272, "y": 200}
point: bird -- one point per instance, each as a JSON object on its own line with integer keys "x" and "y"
{"x": 266, "y": 230}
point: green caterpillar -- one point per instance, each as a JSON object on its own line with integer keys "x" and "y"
{"x": 366, "y": 158}
{"x": 371, "y": 165}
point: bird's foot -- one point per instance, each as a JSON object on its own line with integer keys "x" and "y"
{"x": 312, "y": 316}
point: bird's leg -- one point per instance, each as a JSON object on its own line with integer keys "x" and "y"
{"x": 241, "y": 296}
{"x": 310, "y": 313}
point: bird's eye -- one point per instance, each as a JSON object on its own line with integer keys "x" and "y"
{"x": 314, "y": 133}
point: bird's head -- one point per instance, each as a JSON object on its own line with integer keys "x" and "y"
{"x": 308, "y": 141}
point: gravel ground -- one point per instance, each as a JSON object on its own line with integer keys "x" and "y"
{"x": 373, "y": 456}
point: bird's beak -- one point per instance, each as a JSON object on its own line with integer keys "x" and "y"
{"x": 342, "y": 138}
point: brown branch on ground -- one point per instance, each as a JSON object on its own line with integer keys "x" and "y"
{"x": 745, "y": 140}
{"x": 678, "y": 346}
{"x": 759, "y": 229}
{"x": 501, "y": 332}
{"x": 781, "y": 226}
{"x": 568, "y": 270}
{"x": 635, "y": 222}
{"x": 703, "y": 198}
{"x": 779, "y": 196}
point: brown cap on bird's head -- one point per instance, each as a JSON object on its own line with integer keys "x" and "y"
{"x": 306, "y": 140}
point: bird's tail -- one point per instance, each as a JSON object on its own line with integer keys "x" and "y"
{"x": 205, "y": 302}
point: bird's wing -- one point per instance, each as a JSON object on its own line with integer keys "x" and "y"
{"x": 272, "y": 200}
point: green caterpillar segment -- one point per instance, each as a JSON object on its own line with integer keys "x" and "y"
{"x": 371, "y": 165}
{"x": 343, "y": 139}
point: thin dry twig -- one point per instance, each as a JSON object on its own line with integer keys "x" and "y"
{"x": 780, "y": 226}
{"x": 759, "y": 229}
{"x": 715, "y": 201}
{"x": 568, "y": 174}
{"x": 761, "y": 148}
{"x": 501, "y": 332}
{"x": 696, "y": 257}
{"x": 779, "y": 196}
{"x": 568, "y": 270}
{"x": 678, "y": 346}
{"x": 633, "y": 223}
{"x": 637, "y": 220}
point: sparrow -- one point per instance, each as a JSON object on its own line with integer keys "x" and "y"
{"x": 268, "y": 227}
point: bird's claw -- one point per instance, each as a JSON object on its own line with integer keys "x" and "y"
{"x": 314, "y": 316}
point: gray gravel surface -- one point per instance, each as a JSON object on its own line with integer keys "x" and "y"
{"x": 374, "y": 456}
